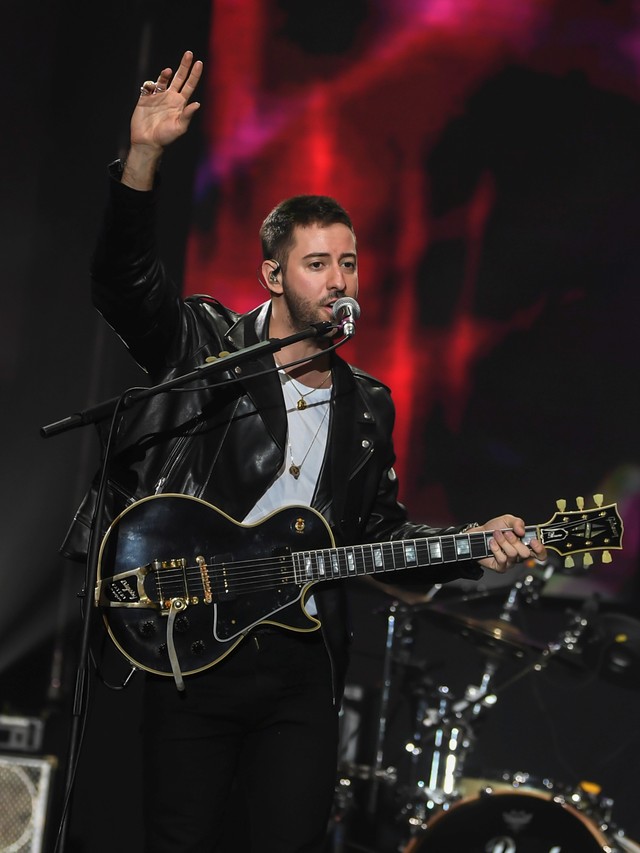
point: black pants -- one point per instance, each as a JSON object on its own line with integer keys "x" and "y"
{"x": 262, "y": 723}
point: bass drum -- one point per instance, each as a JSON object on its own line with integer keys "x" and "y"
{"x": 509, "y": 822}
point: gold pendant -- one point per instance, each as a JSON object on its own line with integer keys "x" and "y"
{"x": 301, "y": 404}
{"x": 294, "y": 470}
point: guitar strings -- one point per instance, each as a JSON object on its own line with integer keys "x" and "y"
{"x": 270, "y": 570}
{"x": 262, "y": 574}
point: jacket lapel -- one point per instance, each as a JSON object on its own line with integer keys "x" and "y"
{"x": 352, "y": 428}
{"x": 264, "y": 389}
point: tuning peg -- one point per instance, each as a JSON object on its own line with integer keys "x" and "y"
{"x": 598, "y": 499}
{"x": 587, "y": 559}
{"x": 580, "y": 502}
{"x": 606, "y": 556}
{"x": 569, "y": 563}
{"x": 561, "y": 504}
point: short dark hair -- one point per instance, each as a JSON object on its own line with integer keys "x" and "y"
{"x": 276, "y": 232}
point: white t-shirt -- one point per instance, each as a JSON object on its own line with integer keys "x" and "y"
{"x": 307, "y": 433}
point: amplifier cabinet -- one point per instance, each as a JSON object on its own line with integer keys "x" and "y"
{"x": 25, "y": 791}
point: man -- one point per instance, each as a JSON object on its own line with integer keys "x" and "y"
{"x": 301, "y": 427}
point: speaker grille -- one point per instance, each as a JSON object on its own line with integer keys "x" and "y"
{"x": 24, "y": 795}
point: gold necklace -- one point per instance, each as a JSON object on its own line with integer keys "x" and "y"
{"x": 302, "y": 404}
{"x": 294, "y": 469}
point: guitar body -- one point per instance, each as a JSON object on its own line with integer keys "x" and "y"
{"x": 133, "y": 591}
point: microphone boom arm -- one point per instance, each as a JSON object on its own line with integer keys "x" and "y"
{"x": 103, "y": 410}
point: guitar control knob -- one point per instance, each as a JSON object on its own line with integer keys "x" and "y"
{"x": 147, "y": 628}
{"x": 198, "y": 648}
{"x": 182, "y": 624}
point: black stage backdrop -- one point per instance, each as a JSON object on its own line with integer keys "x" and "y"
{"x": 488, "y": 153}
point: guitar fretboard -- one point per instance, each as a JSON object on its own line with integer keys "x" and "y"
{"x": 354, "y": 560}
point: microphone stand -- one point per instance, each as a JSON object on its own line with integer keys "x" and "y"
{"x": 94, "y": 414}
{"x": 224, "y": 362}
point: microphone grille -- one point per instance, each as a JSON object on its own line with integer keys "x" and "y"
{"x": 343, "y": 302}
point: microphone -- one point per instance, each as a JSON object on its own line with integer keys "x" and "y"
{"x": 345, "y": 312}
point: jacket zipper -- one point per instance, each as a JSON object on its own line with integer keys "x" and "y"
{"x": 176, "y": 455}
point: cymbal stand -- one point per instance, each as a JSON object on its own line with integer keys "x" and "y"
{"x": 398, "y": 632}
{"x": 392, "y": 615}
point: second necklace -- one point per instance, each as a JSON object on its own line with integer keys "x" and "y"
{"x": 295, "y": 469}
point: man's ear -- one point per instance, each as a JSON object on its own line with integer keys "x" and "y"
{"x": 271, "y": 273}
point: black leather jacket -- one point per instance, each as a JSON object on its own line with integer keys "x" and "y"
{"x": 227, "y": 444}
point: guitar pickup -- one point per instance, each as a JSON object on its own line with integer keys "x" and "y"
{"x": 222, "y": 582}
{"x": 171, "y": 584}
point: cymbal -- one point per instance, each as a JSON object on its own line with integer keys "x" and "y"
{"x": 496, "y": 633}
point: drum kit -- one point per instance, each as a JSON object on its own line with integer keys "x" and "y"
{"x": 429, "y": 803}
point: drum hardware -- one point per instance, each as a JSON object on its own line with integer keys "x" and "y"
{"x": 582, "y": 816}
{"x": 432, "y": 784}
{"x": 346, "y": 801}
{"x": 399, "y": 640}
{"x": 452, "y": 725}
{"x": 625, "y": 844}
{"x": 528, "y": 587}
{"x": 444, "y": 732}
{"x": 586, "y": 798}
{"x": 348, "y": 773}
{"x": 399, "y": 645}
{"x": 450, "y": 728}
{"x": 394, "y": 609}
{"x": 342, "y": 806}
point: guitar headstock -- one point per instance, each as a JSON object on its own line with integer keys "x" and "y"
{"x": 581, "y": 531}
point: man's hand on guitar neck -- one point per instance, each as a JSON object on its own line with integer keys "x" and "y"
{"x": 506, "y": 543}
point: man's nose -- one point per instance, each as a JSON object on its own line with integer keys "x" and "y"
{"x": 337, "y": 278}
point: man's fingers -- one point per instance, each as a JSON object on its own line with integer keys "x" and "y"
{"x": 188, "y": 73}
{"x": 185, "y": 80}
{"x": 185, "y": 64}
{"x": 162, "y": 83}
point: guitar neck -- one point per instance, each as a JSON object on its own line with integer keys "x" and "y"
{"x": 357, "y": 560}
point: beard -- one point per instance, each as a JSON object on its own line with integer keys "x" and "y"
{"x": 302, "y": 312}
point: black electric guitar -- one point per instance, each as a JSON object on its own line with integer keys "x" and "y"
{"x": 180, "y": 583}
